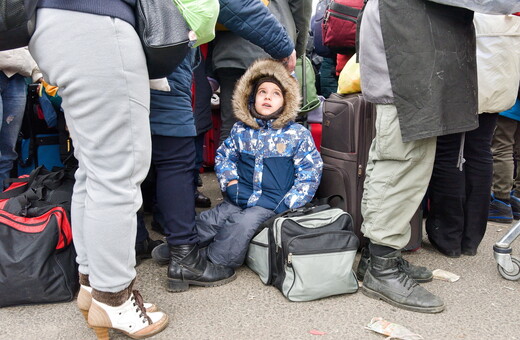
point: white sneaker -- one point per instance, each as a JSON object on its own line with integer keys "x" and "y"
{"x": 131, "y": 318}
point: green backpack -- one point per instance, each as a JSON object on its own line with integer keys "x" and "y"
{"x": 307, "y": 81}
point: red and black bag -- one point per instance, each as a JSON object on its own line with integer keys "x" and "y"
{"x": 37, "y": 254}
{"x": 339, "y": 25}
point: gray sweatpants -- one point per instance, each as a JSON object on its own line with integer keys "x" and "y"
{"x": 100, "y": 68}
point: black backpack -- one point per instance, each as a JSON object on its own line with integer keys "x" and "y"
{"x": 17, "y": 23}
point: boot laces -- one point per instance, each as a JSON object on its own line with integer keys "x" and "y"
{"x": 139, "y": 304}
{"x": 404, "y": 278}
{"x": 404, "y": 264}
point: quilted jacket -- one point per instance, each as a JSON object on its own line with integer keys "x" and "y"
{"x": 275, "y": 162}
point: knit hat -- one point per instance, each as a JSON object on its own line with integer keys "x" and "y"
{"x": 268, "y": 80}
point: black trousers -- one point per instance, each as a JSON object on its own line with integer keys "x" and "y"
{"x": 174, "y": 161}
{"x": 459, "y": 200}
{"x": 227, "y": 78}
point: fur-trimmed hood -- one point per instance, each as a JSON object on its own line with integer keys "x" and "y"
{"x": 246, "y": 85}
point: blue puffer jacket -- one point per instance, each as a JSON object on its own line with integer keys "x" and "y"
{"x": 251, "y": 20}
{"x": 275, "y": 162}
{"x": 171, "y": 113}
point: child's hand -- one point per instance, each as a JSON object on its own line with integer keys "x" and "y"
{"x": 232, "y": 182}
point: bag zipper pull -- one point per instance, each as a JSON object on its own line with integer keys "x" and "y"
{"x": 289, "y": 259}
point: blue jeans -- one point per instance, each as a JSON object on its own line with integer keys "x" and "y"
{"x": 12, "y": 107}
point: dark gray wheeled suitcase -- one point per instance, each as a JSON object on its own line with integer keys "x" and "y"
{"x": 348, "y": 130}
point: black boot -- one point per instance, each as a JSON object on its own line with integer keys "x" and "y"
{"x": 188, "y": 267}
{"x": 386, "y": 279}
{"x": 201, "y": 200}
{"x": 419, "y": 274}
{"x": 143, "y": 250}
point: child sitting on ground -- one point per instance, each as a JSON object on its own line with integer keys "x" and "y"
{"x": 267, "y": 165}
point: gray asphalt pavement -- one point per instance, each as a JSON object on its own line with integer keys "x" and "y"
{"x": 480, "y": 305}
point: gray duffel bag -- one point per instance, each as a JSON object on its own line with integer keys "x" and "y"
{"x": 306, "y": 253}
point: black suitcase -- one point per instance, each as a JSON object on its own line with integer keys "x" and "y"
{"x": 348, "y": 130}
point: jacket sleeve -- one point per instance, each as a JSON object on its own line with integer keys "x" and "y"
{"x": 484, "y": 6}
{"x": 251, "y": 20}
{"x": 301, "y": 11}
{"x": 226, "y": 160}
{"x": 308, "y": 168}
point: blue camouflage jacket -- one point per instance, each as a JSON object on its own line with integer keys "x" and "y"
{"x": 275, "y": 162}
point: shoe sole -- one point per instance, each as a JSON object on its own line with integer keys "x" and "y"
{"x": 378, "y": 296}
{"x": 500, "y": 220}
{"x": 175, "y": 285}
{"x": 430, "y": 279}
{"x": 151, "y": 330}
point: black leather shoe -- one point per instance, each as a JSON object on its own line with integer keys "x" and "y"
{"x": 199, "y": 180}
{"x": 161, "y": 254}
{"x": 201, "y": 200}
{"x": 385, "y": 279}
{"x": 418, "y": 273}
{"x": 189, "y": 267}
{"x": 143, "y": 250}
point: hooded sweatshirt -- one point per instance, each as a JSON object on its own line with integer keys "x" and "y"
{"x": 275, "y": 161}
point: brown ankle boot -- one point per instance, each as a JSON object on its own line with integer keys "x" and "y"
{"x": 123, "y": 311}
{"x": 84, "y": 299}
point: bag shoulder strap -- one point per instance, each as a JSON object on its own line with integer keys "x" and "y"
{"x": 344, "y": 9}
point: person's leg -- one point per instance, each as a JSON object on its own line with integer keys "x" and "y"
{"x": 201, "y": 200}
{"x": 174, "y": 159}
{"x": 227, "y": 78}
{"x": 109, "y": 124}
{"x": 503, "y": 167}
{"x": 106, "y": 104}
{"x": 479, "y": 175}
{"x": 230, "y": 244}
{"x": 515, "y": 197}
{"x": 12, "y": 97}
{"x": 209, "y": 222}
{"x": 397, "y": 178}
{"x": 447, "y": 194}
{"x": 143, "y": 243}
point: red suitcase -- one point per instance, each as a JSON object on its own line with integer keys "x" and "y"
{"x": 211, "y": 139}
{"x": 315, "y": 129}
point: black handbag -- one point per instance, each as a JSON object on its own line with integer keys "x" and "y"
{"x": 17, "y": 23}
{"x": 164, "y": 35}
{"x": 36, "y": 250}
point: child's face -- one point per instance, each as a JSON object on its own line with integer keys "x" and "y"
{"x": 268, "y": 99}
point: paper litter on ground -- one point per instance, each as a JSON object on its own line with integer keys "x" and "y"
{"x": 392, "y": 330}
{"x": 444, "y": 275}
